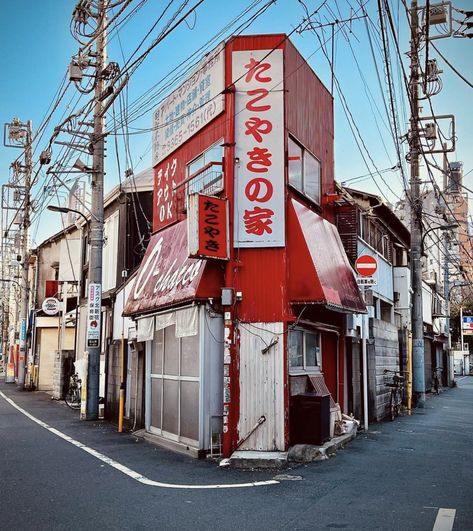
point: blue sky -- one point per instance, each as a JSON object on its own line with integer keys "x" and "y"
{"x": 37, "y": 46}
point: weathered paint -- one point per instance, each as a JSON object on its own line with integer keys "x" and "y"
{"x": 309, "y": 117}
{"x": 319, "y": 271}
{"x": 167, "y": 276}
{"x": 261, "y": 385}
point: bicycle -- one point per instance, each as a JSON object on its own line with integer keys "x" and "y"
{"x": 396, "y": 389}
{"x": 436, "y": 379}
{"x": 73, "y": 395}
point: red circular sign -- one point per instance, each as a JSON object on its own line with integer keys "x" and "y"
{"x": 366, "y": 265}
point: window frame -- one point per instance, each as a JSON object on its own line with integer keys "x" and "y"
{"x": 189, "y": 173}
{"x": 305, "y": 369}
{"x": 304, "y": 153}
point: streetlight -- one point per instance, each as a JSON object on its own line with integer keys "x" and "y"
{"x": 66, "y": 210}
{"x": 92, "y": 397}
{"x": 448, "y": 226}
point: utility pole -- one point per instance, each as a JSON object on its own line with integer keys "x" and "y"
{"x": 20, "y": 135}
{"x": 24, "y": 255}
{"x": 96, "y": 222}
{"x": 416, "y": 218}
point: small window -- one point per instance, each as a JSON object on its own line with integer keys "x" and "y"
{"x": 208, "y": 167}
{"x": 304, "y": 351}
{"x": 304, "y": 170}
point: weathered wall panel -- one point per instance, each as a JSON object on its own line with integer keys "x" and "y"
{"x": 261, "y": 386}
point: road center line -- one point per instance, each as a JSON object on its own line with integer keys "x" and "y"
{"x": 444, "y": 520}
{"x": 124, "y": 469}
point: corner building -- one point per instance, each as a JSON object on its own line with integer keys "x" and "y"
{"x": 242, "y": 295}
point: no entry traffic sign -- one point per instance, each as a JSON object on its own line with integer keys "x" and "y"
{"x": 366, "y": 265}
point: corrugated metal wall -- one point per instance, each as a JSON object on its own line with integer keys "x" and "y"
{"x": 261, "y": 386}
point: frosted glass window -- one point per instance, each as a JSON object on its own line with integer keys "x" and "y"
{"x": 304, "y": 170}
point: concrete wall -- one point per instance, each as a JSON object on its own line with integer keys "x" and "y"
{"x": 63, "y": 368}
{"x": 383, "y": 353}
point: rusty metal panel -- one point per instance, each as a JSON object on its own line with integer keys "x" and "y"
{"x": 262, "y": 386}
{"x": 260, "y": 276}
{"x": 309, "y": 116}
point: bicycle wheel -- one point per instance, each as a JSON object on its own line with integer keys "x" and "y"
{"x": 392, "y": 404}
{"x": 72, "y": 398}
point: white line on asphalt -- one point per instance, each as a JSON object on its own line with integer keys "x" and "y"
{"x": 444, "y": 520}
{"x": 124, "y": 469}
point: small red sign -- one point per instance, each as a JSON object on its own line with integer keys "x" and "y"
{"x": 208, "y": 227}
{"x": 366, "y": 265}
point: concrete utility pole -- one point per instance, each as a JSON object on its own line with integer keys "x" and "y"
{"x": 20, "y": 135}
{"x": 24, "y": 256}
{"x": 96, "y": 222}
{"x": 416, "y": 219}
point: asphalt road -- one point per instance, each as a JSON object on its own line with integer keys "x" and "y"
{"x": 395, "y": 477}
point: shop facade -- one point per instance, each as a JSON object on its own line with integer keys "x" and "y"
{"x": 242, "y": 302}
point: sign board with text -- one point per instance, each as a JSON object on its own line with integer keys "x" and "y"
{"x": 207, "y": 227}
{"x": 94, "y": 305}
{"x": 467, "y": 322}
{"x": 259, "y": 219}
{"x": 51, "y": 306}
{"x": 366, "y": 281}
{"x": 194, "y": 104}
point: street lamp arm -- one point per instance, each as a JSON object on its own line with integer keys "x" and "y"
{"x": 66, "y": 210}
{"x": 441, "y": 227}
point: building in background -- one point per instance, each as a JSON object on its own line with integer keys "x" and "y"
{"x": 369, "y": 227}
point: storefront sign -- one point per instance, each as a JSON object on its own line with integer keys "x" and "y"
{"x": 467, "y": 322}
{"x": 50, "y": 306}
{"x": 167, "y": 275}
{"x": 191, "y": 106}
{"x": 165, "y": 181}
{"x": 259, "y": 136}
{"x": 207, "y": 227}
{"x": 93, "y": 315}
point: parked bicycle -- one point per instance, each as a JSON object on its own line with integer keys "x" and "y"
{"x": 396, "y": 385}
{"x": 73, "y": 395}
{"x": 436, "y": 375}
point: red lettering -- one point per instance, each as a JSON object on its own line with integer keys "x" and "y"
{"x": 257, "y": 127}
{"x": 258, "y": 221}
{"x": 255, "y": 70}
{"x": 259, "y": 189}
{"x": 259, "y": 160}
{"x": 260, "y": 94}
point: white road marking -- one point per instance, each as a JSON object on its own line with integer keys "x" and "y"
{"x": 444, "y": 520}
{"x": 124, "y": 469}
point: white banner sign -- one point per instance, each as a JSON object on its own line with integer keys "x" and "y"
{"x": 94, "y": 305}
{"x": 191, "y": 106}
{"x": 259, "y": 137}
{"x": 366, "y": 281}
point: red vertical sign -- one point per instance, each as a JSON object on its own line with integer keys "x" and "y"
{"x": 208, "y": 227}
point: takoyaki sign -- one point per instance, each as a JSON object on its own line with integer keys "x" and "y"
{"x": 166, "y": 275}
